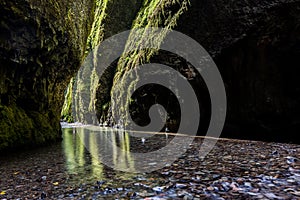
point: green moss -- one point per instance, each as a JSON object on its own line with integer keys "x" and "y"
{"x": 105, "y": 106}
{"x": 21, "y": 129}
{"x": 15, "y": 127}
{"x": 66, "y": 113}
{"x": 131, "y": 14}
{"x": 106, "y": 23}
{"x": 51, "y": 37}
{"x": 154, "y": 13}
{"x": 97, "y": 31}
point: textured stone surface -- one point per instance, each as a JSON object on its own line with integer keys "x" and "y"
{"x": 234, "y": 169}
{"x": 114, "y": 17}
{"x": 41, "y": 46}
{"x": 255, "y": 45}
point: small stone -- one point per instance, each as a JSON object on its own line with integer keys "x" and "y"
{"x": 153, "y": 163}
{"x": 290, "y": 160}
{"x": 181, "y": 194}
{"x": 240, "y": 180}
{"x": 199, "y": 173}
{"x": 247, "y": 184}
{"x": 291, "y": 181}
{"x": 188, "y": 197}
{"x": 216, "y": 176}
{"x": 210, "y": 188}
{"x": 100, "y": 182}
{"x": 43, "y": 195}
{"x": 271, "y": 185}
{"x": 297, "y": 193}
{"x": 165, "y": 173}
{"x": 252, "y": 193}
{"x": 271, "y": 196}
{"x": 227, "y": 157}
{"x": 158, "y": 189}
{"x": 181, "y": 186}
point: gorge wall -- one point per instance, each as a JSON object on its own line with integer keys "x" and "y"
{"x": 254, "y": 43}
{"x": 42, "y": 44}
{"x": 255, "y": 46}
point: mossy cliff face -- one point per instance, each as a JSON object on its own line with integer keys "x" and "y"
{"x": 107, "y": 22}
{"x": 154, "y": 13}
{"x": 111, "y": 17}
{"x": 255, "y": 45}
{"x": 42, "y": 44}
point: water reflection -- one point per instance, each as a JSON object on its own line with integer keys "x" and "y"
{"x": 79, "y": 161}
{"x": 82, "y": 150}
{"x": 87, "y": 148}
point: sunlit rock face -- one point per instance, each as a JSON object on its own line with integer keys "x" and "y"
{"x": 42, "y": 44}
{"x": 111, "y": 17}
{"x": 256, "y": 47}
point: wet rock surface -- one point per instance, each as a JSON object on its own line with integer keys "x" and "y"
{"x": 254, "y": 44}
{"x": 41, "y": 47}
{"x": 232, "y": 170}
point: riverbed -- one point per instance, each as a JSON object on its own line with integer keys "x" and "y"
{"x": 85, "y": 166}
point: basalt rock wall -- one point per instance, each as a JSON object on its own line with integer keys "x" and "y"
{"x": 256, "y": 45}
{"x": 42, "y": 44}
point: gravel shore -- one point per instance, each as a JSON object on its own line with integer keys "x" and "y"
{"x": 234, "y": 169}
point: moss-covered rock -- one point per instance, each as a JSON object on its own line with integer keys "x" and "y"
{"x": 255, "y": 45}
{"x": 111, "y": 17}
{"x": 42, "y": 44}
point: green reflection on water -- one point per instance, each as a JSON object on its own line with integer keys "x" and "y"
{"x": 95, "y": 158}
{"x": 81, "y": 147}
{"x": 122, "y": 158}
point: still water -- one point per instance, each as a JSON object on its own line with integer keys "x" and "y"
{"x": 92, "y": 151}
{"x": 90, "y": 160}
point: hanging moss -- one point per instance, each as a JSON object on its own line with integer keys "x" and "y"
{"x": 154, "y": 13}
{"x": 66, "y": 113}
{"x": 131, "y": 14}
{"x": 104, "y": 26}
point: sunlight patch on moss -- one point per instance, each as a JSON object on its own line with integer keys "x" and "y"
{"x": 154, "y": 14}
{"x": 66, "y": 112}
